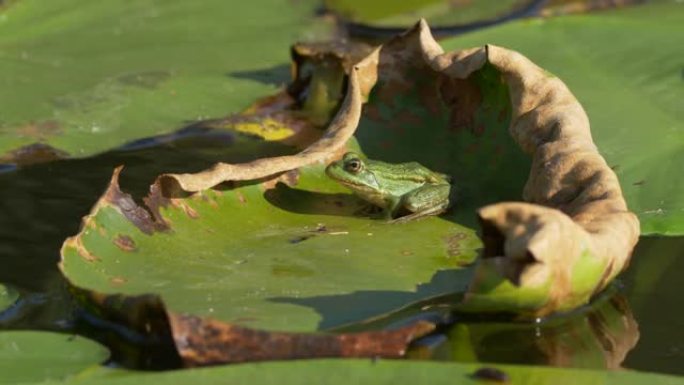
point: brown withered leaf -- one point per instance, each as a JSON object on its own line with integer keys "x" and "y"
{"x": 203, "y": 342}
{"x": 340, "y": 130}
{"x": 574, "y": 205}
{"x": 147, "y": 334}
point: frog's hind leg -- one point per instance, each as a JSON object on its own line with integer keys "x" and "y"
{"x": 426, "y": 201}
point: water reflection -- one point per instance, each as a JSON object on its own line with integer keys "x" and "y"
{"x": 595, "y": 337}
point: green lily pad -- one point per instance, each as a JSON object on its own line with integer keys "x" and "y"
{"x": 29, "y": 356}
{"x": 380, "y": 372}
{"x": 630, "y": 88}
{"x": 282, "y": 258}
{"x": 405, "y": 13}
{"x": 82, "y": 78}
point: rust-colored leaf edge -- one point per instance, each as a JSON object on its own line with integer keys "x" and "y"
{"x": 204, "y": 341}
{"x": 186, "y": 340}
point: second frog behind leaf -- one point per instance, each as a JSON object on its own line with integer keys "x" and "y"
{"x": 404, "y": 191}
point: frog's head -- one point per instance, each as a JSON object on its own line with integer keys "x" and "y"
{"x": 352, "y": 171}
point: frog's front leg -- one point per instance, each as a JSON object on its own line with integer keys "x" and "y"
{"x": 392, "y": 207}
{"x": 425, "y": 201}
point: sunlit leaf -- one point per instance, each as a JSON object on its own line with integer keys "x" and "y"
{"x": 405, "y": 13}
{"x": 30, "y": 356}
{"x": 384, "y": 372}
{"x": 80, "y": 78}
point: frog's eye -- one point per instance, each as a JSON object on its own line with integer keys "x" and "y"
{"x": 353, "y": 165}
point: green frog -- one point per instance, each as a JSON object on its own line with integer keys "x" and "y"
{"x": 405, "y": 188}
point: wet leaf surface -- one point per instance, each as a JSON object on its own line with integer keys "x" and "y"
{"x": 37, "y": 357}
{"x": 81, "y": 79}
{"x": 630, "y": 88}
{"x": 652, "y": 284}
{"x": 298, "y": 260}
{"x": 437, "y": 12}
{"x": 378, "y": 372}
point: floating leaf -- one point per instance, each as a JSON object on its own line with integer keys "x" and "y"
{"x": 29, "y": 356}
{"x": 631, "y": 89}
{"x": 280, "y": 258}
{"x": 82, "y": 78}
{"x": 381, "y": 372}
{"x": 378, "y": 18}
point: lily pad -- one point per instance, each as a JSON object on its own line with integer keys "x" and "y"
{"x": 79, "y": 79}
{"x": 261, "y": 256}
{"x": 439, "y": 13}
{"x": 383, "y": 372}
{"x": 7, "y": 297}
{"x": 630, "y": 88}
{"x": 29, "y": 356}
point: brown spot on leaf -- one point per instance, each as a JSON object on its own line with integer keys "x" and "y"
{"x": 39, "y": 130}
{"x": 453, "y": 244}
{"x": 491, "y": 374}
{"x": 203, "y": 342}
{"x": 140, "y": 217}
{"x": 77, "y": 243}
{"x": 33, "y": 154}
{"x": 125, "y": 243}
{"x": 463, "y": 98}
{"x": 189, "y": 211}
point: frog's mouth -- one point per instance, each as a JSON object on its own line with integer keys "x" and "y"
{"x": 357, "y": 185}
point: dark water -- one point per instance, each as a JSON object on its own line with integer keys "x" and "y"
{"x": 638, "y": 323}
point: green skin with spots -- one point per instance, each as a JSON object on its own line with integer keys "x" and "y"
{"x": 396, "y": 188}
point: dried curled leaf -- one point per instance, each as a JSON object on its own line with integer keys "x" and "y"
{"x": 166, "y": 339}
{"x": 576, "y": 234}
{"x": 340, "y": 130}
{"x": 203, "y": 342}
